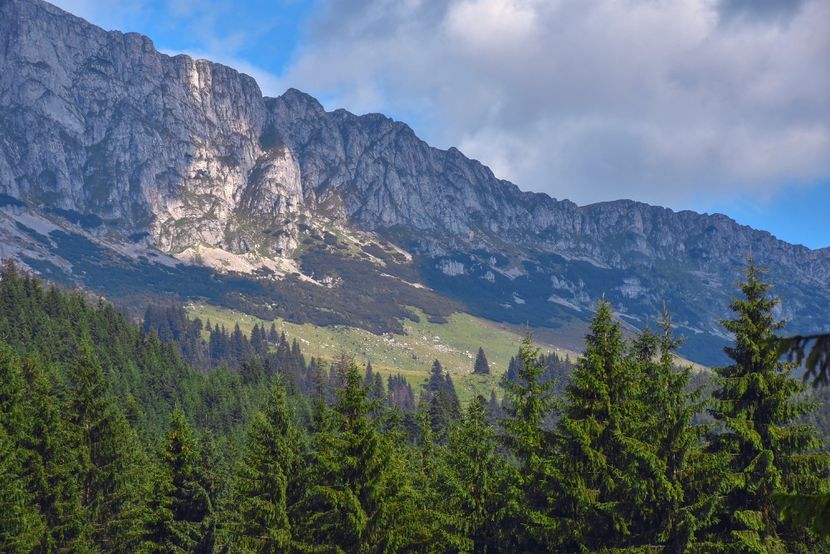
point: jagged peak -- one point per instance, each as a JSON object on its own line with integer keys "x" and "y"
{"x": 296, "y": 98}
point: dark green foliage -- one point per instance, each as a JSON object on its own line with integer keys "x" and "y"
{"x": 757, "y": 405}
{"x": 171, "y": 324}
{"x": 530, "y": 441}
{"x": 604, "y": 467}
{"x": 114, "y": 488}
{"x": 184, "y": 507}
{"x": 265, "y": 483}
{"x": 632, "y": 473}
{"x": 21, "y": 524}
{"x": 54, "y": 462}
{"x": 441, "y": 399}
{"x": 684, "y": 482}
{"x": 809, "y": 510}
{"x": 110, "y": 442}
{"x": 556, "y": 370}
{"x": 481, "y": 365}
{"x": 399, "y": 393}
{"x": 494, "y": 409}
{"x": 474, "y": 480}
{"x": 358, "y": 495}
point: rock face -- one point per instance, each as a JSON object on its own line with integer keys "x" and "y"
{"x": 188, "y": 157}
{"x": 99, "y": 122}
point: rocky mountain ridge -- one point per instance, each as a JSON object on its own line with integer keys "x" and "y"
{"x": 182, "y": 161}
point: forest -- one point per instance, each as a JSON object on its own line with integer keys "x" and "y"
{"x": 177, "y": 435}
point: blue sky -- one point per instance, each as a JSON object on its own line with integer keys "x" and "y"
{"x": 711, "y": 105}
{"x": 800, "y": 215}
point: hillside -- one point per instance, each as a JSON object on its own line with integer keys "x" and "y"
{"x": 140, "y": 175}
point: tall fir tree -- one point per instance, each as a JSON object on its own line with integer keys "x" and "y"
{"x": 354, "y": 499}
{"x": 481, "y": 365}
{"x": 188, "y": 528}
{"x": 114, "y": 490}
{"x": 757, "y": 409}
{"x": 474, "y": 479}
{"x": 686, "y": 481}
{"x": 266, "y": 486}
{"x": 610, "y": 475}
{"x": 442, "y": 400}
{"x": 443, "y": 524}
{"x": 54, "y": 463}
{"x": 528, "y": 405}
{"x": 21, "y": 524}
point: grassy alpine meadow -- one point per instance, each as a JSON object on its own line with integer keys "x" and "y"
{"x": 454, "y": 344}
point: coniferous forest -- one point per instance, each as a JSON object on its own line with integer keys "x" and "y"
{"x": 177, "y": 435}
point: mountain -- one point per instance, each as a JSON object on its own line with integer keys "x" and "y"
{"x": 136, "y": 173}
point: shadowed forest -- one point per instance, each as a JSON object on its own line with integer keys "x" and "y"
{"x": 176, "y": 435}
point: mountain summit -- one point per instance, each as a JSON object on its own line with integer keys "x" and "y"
{"x": 134, "y": 172}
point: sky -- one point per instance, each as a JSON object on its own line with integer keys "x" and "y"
{"x": 710, "y": 105}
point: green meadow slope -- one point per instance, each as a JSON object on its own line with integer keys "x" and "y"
{"x": 454, "y": 344}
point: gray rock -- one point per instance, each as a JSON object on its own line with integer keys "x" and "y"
{"x": 191, "y": 153}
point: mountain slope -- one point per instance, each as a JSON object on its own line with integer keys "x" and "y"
{"x": 171, "y": 170}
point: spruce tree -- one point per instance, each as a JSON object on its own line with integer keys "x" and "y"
{"x": 685, "y": 484}
{"x": 444, "y": 522}
{"x": 22, "y": 526}
{"x": 190, "y": 505}
{"x": 481, "y": 366}
{"x": 114, "y": 492}
{"x": 440, "y": 396}
{"x": 357, "y": 488}
{"x": 757, "y": 409}
{"x": 472, "y": 483}
{"x": 266, "y": 485}
{"x": 528, "y": 404}
{"x": 53, "y": 463}
{"x": 494, "y": 410}
{"x": 610, "y": 475}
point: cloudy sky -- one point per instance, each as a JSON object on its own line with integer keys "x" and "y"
{"x": 712, "y": 105}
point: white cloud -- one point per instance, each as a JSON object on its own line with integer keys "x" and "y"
{"x": 659, "y": 100}
{"x": 491, "y": 25}
{"x": 666, "y": 101}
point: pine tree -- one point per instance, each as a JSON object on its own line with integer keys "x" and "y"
{"x": 252, "y": 370}
{"x": 610, "y": 474}
{"x": 369, "y": 377}
{"x": 494, "y": 410}
{"x": 259, "y": 340}
{"x": 529, "y": 403}
{"x": 474, "y": 478}
{"x": 265, "y": 485}
{"x": 21, "y": 523}
{"x": 442, "y": 522}
{"x": 113, "y": 489}
{"x": 440, "y": 396}
{"x": 685, "y": 484}
{"x": 54, "y": 464}
{"x": 481, "y": 366}
{"x": 757, "y": 408}
{"x": 376, "y": 393}
{"x": 190, "y": 505}
{"x": 400, "y": 394}
{"x": 357, "y": 484}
